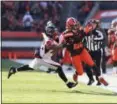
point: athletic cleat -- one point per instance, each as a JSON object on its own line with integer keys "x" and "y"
{"x": 71, "y": 84}
{"x": 75, "y": 77}
{"x": 90, "y": 82}
{"x": 11, "y": 71}
{"x": 103, "y": 81}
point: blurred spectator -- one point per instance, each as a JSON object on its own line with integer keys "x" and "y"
{"x": 44, "y": 4}
{"x": 27, "y": 21}
{"x": 83, "y": 10}
{"x": 9, "y": 5}
{"x": 13, "y": 13}
{"x": 22, "y": 7}
{"x": 36, "y": 11}
{"x": 4, "y": 23}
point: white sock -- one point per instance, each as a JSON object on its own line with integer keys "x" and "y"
{"x": 114, "y": 69}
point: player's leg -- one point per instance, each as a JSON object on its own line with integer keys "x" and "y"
{"x": 78, "y": 66}
{"x": 13, "y": 70}
{"x": 97, "y": 58}
{"x": 76, "y": 61}
{"x": 114, "y": 58}
{"x": 103, "y": 63}
{"x": 86, "y": 58}
{"x": 64, "y": 78}
{"x": 96, "y": 55}
{"x": 34, "y": 64}
{"x": 56, "y": 66}
{"x": 89, "y": 73}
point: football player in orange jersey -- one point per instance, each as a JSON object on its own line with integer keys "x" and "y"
{"x": 72, "y": 38}
{"x": 114, "y": 54}
{"x": 111, "y": 41}
{"x": 113, "y": 44}
{"x": 43, "y": 57}
{"x": 111, "y": 37}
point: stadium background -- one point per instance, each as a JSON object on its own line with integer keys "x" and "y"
{"x": 19, "y": 42}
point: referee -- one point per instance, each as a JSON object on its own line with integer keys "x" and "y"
{"x": 94, "y": 45}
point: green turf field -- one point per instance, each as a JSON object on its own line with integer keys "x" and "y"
{"x": 38, "y": 87}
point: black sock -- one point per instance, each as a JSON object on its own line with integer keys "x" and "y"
{"x": 61, "y": 74}
{"x": 89, "y": 72}
{"x": 97, "y": 78}
{"x": 96, "y": 71}
{"x": 24, "y": 68}
{"x": 90, "y": 76}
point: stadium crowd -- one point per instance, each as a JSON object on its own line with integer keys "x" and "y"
{"x": 83, "y": 9}
{"x": 24, "y": 15}
{"x": 29, "y": 16}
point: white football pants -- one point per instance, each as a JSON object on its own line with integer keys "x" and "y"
{"x": 36, "y": 63}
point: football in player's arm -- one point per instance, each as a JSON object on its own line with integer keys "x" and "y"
{"x": 73, "y": 36}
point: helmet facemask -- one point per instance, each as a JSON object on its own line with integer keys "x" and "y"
{"x": 50, "y": 31}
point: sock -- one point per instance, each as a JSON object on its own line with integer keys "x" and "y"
{"x": 90, "y": 76}
{"x": 61, "y": 74}
{"x": 89, "y": 72}
{"x": 96, "y": 71}
{"x": 97, "y": 78}
{"x": 24, "y": 68}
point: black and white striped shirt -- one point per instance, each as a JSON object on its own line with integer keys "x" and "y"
{"x": 94, "y": 41}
